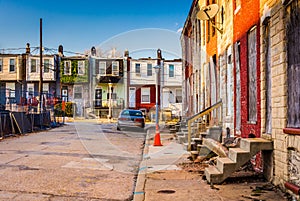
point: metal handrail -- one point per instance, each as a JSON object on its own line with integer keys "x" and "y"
{"x": 197, "y": 116}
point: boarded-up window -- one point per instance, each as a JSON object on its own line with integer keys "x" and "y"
{"x": 268, "y": 82}
{"x": 293, "y": 44}
{"x": 238, "y": 85}
{"x": 252, "y": 76}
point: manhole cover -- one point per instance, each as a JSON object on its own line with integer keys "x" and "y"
{"x": 166, "y": 191}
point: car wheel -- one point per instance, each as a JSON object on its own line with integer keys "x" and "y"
{"x": 118, "y": 128}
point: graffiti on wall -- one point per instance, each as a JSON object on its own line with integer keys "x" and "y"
{"x": 294, "y": 167}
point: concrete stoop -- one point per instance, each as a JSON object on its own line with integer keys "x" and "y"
{"x": 236, "y": 158}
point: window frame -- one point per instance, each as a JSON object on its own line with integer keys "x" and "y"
{"x": 31, "y": 66}
{"x": 81, "y": 67}
{"x": 46, "y": 66}
{"x": 104, "y": 68}
{"x": 149, "y": 70}
{"x": 145, "y": 91}
{"x": 171, "y": 72}
{"x": 116, "y": 64}
{"x": 69, "y": 67}
{"x": 137, "y": 69}
{"x": 10, "y": 65}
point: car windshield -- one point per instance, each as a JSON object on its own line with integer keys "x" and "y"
{"x": 132, "y": 113}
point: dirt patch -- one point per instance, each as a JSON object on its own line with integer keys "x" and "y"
{"x": 243, "y": 185}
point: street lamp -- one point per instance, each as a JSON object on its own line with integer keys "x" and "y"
{"x": 157, "y": 141}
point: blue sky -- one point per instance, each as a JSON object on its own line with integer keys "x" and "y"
{"x": 79, "y": 25}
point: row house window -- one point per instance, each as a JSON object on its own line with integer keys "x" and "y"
{"x": 1, "y": 65}
{"x": 11, "y": 88}
{"x": 33, "y": 65}
{"x": 138, "y": 69}
{"x": 145, "y": 95}
{"x": 12, "y": 65}
{"x": 171, "y": 70}
{"x": 46, "y": 65}
{"x": 102, "y": 68}
{"x": 149, "y": 69}
{"x": 67, "y": 67}
{"x": 81, "y": 65}
{"x": 115, "y": 68}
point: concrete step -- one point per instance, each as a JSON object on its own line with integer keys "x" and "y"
{"x": 203, "y": 134}
{"x": 203, "y": 150}
{"x": 213, "y": 175}
{"x": 238, "y": 155}
{"x": 236, "y": 158}
{"x": 225, "y": 165}
{"x": 197, "y": 140}
{"x": 253, "y": 145}
{"x": 183, "y": 130}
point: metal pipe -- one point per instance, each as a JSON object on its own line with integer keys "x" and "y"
{"x": 294, "y": 188}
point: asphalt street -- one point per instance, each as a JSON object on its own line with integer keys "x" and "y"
{"x": 78, "y": 161}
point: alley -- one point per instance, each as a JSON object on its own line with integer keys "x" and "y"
{"x": 78, "y": 161}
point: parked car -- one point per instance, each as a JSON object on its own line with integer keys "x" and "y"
{"x": 129, "y": 118}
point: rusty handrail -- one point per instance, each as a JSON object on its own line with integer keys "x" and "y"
{"x": 197, "y": 116}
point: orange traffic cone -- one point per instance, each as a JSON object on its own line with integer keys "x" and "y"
{"x": 157, "y": 141}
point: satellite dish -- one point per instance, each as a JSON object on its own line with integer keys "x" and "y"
{"x": 207, "y": 13}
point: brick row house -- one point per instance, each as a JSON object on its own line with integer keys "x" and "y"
{"x": 247, "y": 56}
{"x": 99, "y": 86}
{"x": 108, "y": 85}
{"x": 20, "y": 75}
{"x": 142, "y": 82}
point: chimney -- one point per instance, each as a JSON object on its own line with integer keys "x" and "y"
{"x": 126, "y": 53}
{"x": 27, "y": 48}
{"x": 61, "y": 50}
{"x": 93, "y": 51}
{"x": 159, "y": 54}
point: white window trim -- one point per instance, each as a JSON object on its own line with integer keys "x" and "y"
{"x": 81, "y": 65}
{"x": 145, "y": 91}
{"x": 14, "y": 65}
{"x": 35, "y": 65}
{"x": 70, "y": 68}
{"x": 151, "y": 70}
{"x": 115, "y": 72}
{"x": 10, "y": 89}
{"x": 46, "y": 88}
{"x": 173, "y": 70}
{"x": 102, "y": 62}
{"x": 137, "y": 73}
{"x": 49, "y": 66}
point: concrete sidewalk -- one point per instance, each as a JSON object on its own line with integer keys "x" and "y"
{"x": 162, "y": 176}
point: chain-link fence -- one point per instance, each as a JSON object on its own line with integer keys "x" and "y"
{"x": 22, "y": 111}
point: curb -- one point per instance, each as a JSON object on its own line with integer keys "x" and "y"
{"x": 139, "y": 190}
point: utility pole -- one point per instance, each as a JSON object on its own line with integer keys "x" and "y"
{"x": 41, "y": 68}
